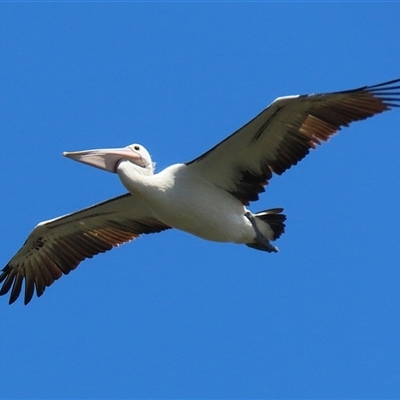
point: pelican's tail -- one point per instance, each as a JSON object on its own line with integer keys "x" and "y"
{"x": 274, "y": 219}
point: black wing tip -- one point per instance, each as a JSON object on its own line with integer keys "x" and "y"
{"x": 14, "y": 282}
{"x": 380, "y": 90}
{"x": 388, "y": 92}
{"x": 8, "y": 282}
{"x": 386, "y": 84}
{"x": 5, "y": 273}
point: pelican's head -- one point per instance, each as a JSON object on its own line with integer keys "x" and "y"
{"x": 109, "y": 159}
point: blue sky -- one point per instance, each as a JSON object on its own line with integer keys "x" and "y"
{"x": 170, "y": 315}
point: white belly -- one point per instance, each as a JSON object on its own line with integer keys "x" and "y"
{"x": 219, "y": 219}
{"x": 194, "y": 205}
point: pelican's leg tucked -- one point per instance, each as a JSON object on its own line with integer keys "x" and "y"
{"x": 262, "y": 243}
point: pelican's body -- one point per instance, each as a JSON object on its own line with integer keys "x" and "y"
{"x": 176, "y": 196}
{"x": 206, "y": 197}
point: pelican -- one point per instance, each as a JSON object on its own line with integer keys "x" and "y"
{"x": 206, "y": 197}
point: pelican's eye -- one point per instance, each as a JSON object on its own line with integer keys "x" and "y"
{"x": 137, "y": 147}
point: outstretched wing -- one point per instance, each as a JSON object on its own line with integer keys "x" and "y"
{"x": 57, "y": 246}
{"x": 282, "y": 135}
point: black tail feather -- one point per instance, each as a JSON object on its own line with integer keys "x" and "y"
{"x": 275, "y": 219}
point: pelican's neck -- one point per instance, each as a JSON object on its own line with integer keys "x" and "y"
{"x": 132, "y": 176}
{"x": 144, "y": 183}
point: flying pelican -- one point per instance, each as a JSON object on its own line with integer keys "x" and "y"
{"x": 206, "y": 197}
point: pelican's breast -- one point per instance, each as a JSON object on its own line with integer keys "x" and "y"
{"x": 186, "y": 200}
